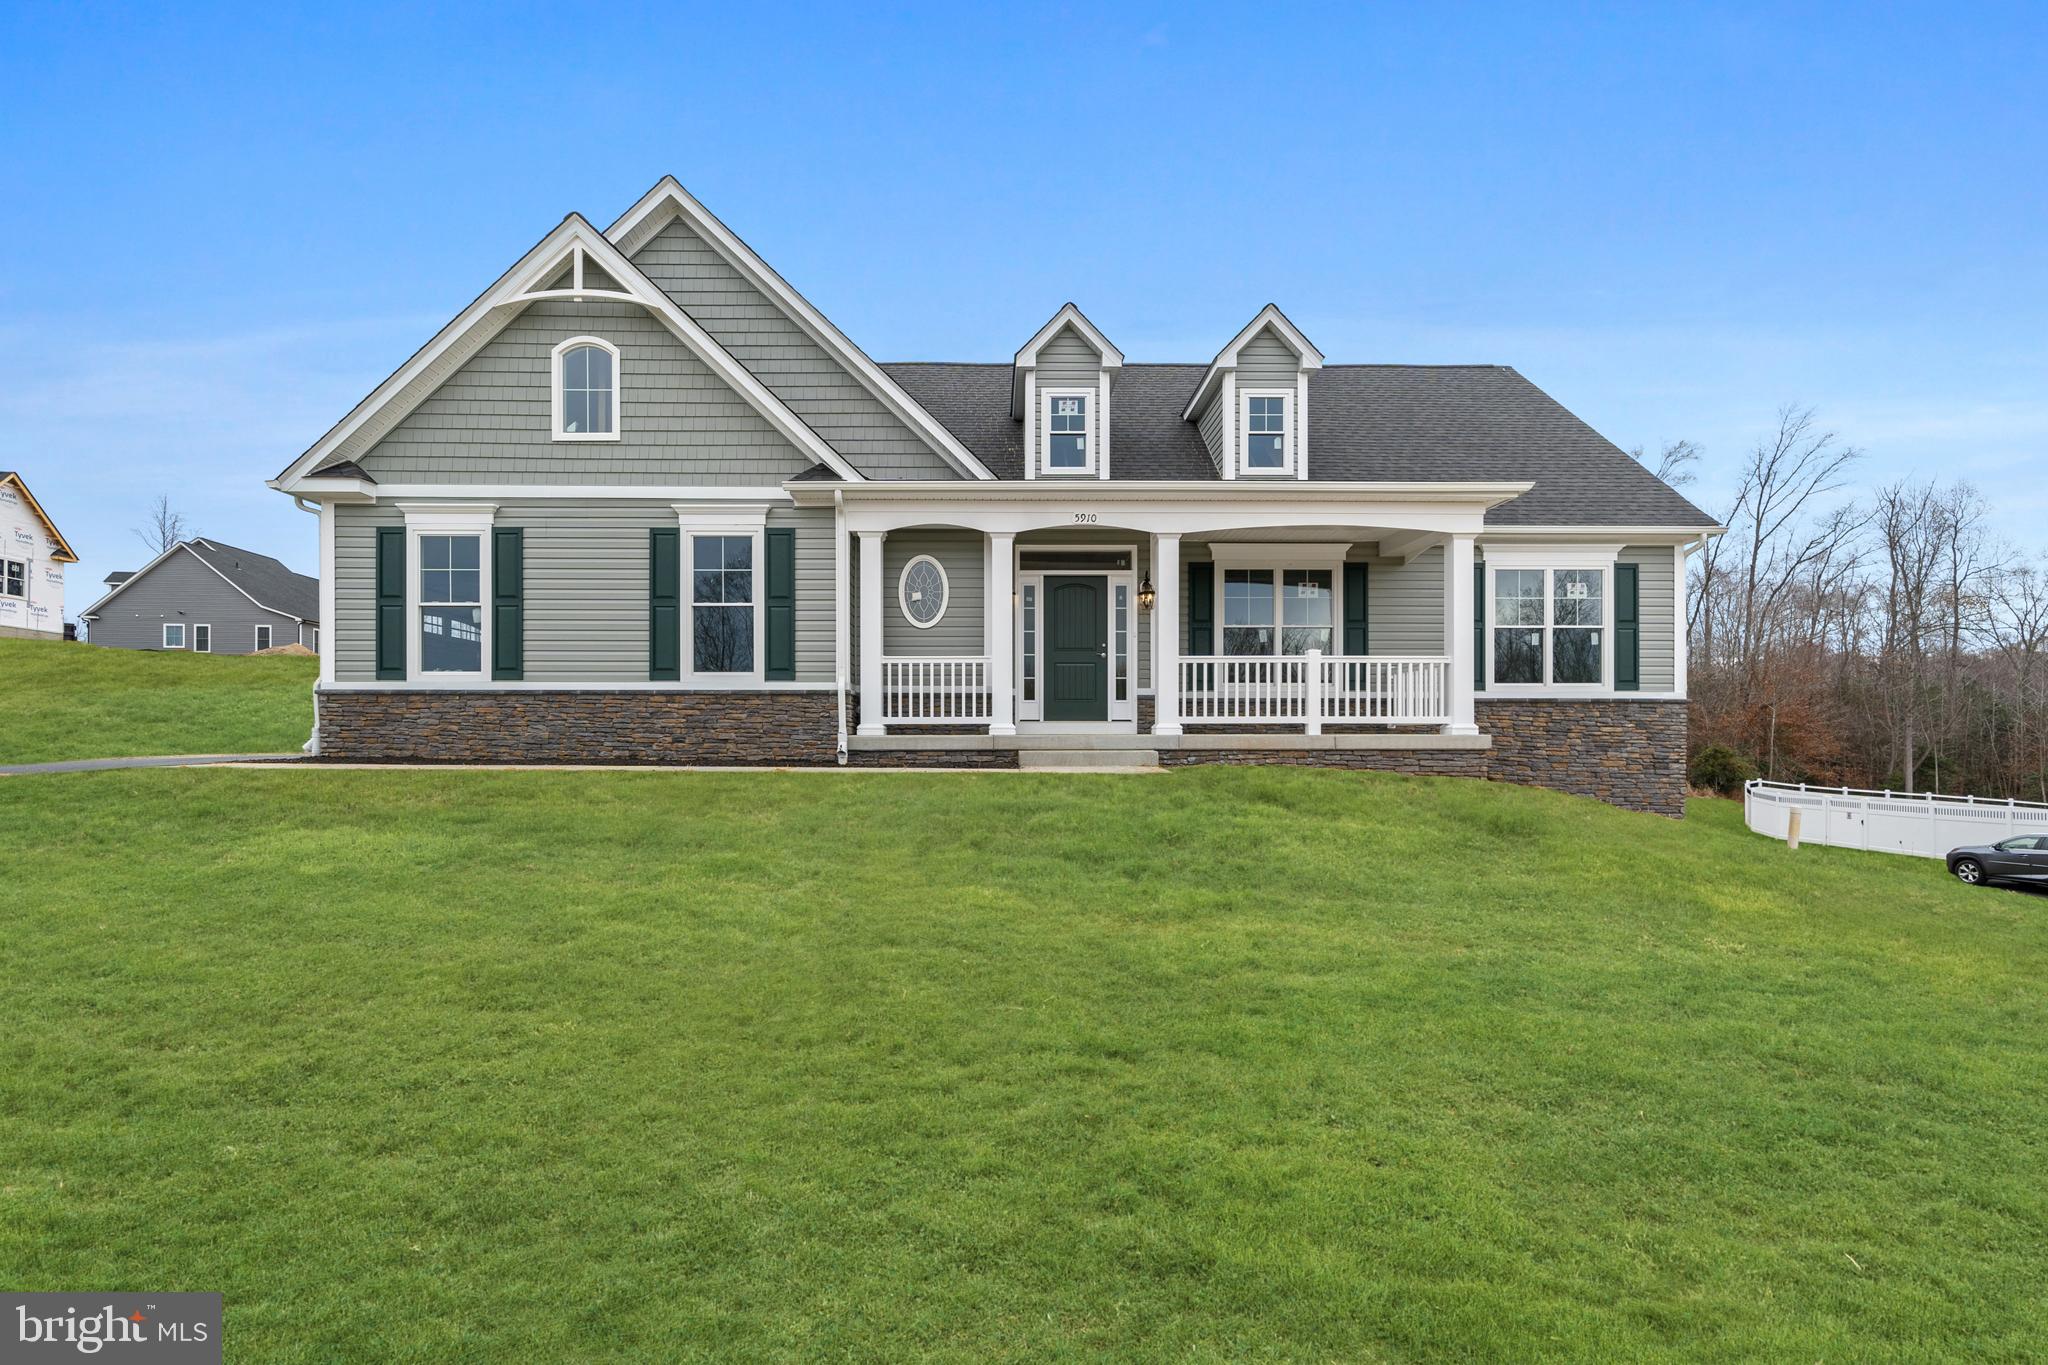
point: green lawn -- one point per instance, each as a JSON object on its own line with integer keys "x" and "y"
{"x": 61, "y": 701}
{"x": 1229, "y": 1064}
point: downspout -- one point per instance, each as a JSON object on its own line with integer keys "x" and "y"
{"x": 311, "y": 748}
{"x": 841, "y": 566}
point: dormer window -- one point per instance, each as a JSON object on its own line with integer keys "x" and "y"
{"x": 586, "y": 390}
{"x": 1069, "y": 443}
{"x": 1266, "y": 445}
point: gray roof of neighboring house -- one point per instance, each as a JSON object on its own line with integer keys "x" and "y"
{"x": 263, "y": 578}
{"x": 1370, "y": 423}
{"x": 115, "y": 580}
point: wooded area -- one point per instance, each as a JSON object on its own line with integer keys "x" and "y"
{"x": 1886, "y": 640}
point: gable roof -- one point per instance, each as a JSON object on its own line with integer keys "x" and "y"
{"x": 1268, "y": 317}
{"x": 1027, "y": 354}
{"x": 64, "y": 551}
{"x": 668, "y": 199}
{"x": 1367, "y": 423}
{"x": 531, "y": 280}
{"x": 261, "y": 579}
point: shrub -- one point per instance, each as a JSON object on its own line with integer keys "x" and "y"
{"x": 1719, "y": 768}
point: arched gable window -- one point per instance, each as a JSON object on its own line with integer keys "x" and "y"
{"x": 586, "y": 390}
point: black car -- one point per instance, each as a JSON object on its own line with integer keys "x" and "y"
{"x": 2023, "y": 858}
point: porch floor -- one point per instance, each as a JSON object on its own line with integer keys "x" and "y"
{"x": 1246, "y": 740}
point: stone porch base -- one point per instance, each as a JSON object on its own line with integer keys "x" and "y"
{"x": 1626, "y": 753}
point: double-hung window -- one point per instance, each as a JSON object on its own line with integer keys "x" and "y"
{"x": 1549, "y": 627}
{"x": 1069, "y": 438}
{"x": 263, "y": 637}
{"x": 13, "y": 577}
{"x": 174, "y": 635}
{"x": 1267, "y": 444}
{"x": 451, "y": 604}
{"x": 202, "y": 639}
{"x": 1256, "y": 621}
{"x": 722, "y": 603}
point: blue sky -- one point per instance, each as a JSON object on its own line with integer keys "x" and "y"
{"x": 225, "y": 226}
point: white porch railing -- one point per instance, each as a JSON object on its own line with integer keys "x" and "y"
{"x": 935, "y": 691}
{"x": 1313, "y": 690}
{"x": 1919, "y": 823}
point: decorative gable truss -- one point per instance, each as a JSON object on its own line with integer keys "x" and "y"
{"x": 1252, "y": 403}
{"x": 1060, "y": 390}
{"x": 668, "y": 200}
{"x": 576, "y": 263}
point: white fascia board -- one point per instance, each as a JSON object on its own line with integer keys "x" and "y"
{"x": 645, "y": 218}
{"x": 1226, "y": 359}
{"x": 1464, "y": 493}
{"x": 65, "y": 554}
{"x": 512, "y": 292}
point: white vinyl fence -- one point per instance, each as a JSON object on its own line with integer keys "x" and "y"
{"x": 1887, "y": 822}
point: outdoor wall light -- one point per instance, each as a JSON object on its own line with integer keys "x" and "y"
{"x": 1145, "y": 593}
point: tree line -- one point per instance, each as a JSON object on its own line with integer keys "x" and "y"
{"x": 1886, "y": 639}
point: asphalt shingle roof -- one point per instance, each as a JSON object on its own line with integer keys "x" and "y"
{"x": 263, "y": 578}
{"x": 1369, "y": 423}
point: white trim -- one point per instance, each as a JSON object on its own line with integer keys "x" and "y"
{"x": 1091, "y": 421}
{"x": 328, "y": 588}
{"x": 1228, "y": 424}
{"x": 196, "y": 627}
{"x": 451, "y": 519}
{"x": 642, "y": 221}
{"x": 696, "y": 519}
{"x": 1681, "y": 634}
{"x": 498, "y": 685}
{"x": 1300, "y": 432}
{"x": 562, "y": 348}
{"x": 256, "y": 636}
{"x": 1226, "y": 359}
{"x": 1549, "y": 559}
{"x": 1122, "y": 716}
{"x": 165, "y": 636}
{"x": 1285, "y": 469}
{"x": 1070, "y": 316}
{"x": 773, "y": 493}
{"x": 903, "y": 586}
{"x": 412, "y": 382}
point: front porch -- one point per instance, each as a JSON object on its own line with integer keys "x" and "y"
{"x": 1103, "y": 611}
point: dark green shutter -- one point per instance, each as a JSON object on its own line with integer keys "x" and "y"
{"x": 1479, "y": 626}
{"x": 1201, "y": 609}
{"x": 508, "y": 603}
{"x": 390, "y": 602}
{"x": 665, "y": 605}
{"x": 1357, "y": 635}
{"x": 1628, "y": 631}
{"x": 780, "y": 604}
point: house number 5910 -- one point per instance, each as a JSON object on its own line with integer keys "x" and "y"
{"x": 1084, "y": 518}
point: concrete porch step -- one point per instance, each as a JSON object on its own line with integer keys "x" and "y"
{"x": 1089, "y": 760}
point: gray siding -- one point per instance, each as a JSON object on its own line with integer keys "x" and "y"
{"x": 1067, "y": 362}
{"x": 1654, "y": 569}
{"x": 961, "y": 554}
{"x": 1210, "y": 424}
{"x": 492, "y": 422}
{"x": 586, "y": 588}
{"x": 1405, "y": 605}
{"x": 1264, "y": 362}
{"x": 182, "y": 589}
{"x": 833, "y": 402}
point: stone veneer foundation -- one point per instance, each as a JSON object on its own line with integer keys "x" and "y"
{"x": 1626, "y": 753}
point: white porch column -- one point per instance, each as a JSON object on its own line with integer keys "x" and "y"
{"x": 998, "y": 632}
{"x": 871, "y": 632}
{"x": 1166, "y": 635}
{"x": 1458, "y": 607}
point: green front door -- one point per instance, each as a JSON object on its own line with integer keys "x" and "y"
{"x": 1076, "y": 648}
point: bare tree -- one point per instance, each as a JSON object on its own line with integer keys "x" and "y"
{"x": 1674, "y": 463}
{"x": 165, "y": 527}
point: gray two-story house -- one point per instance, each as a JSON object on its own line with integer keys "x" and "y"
{"x": 642, "y": 502}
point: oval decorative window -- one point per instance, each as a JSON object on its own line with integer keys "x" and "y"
{"x": 922, "y": 592}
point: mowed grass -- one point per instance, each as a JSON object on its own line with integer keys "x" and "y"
{"x": 1234, "y": 1064}
{"x": 60, "y": 701}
